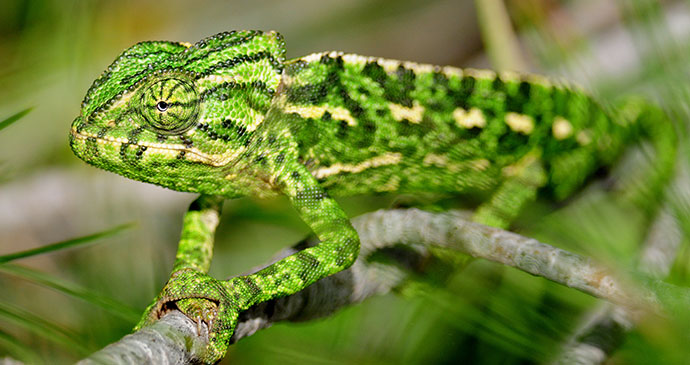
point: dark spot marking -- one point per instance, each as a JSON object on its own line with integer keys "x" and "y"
{"x": 308, "y": 163}
{"x": 186, "y": 141}
{"x": 343, "y": 128}
{"x": 342, "y": 259}
{"x": 311, "y": 94}
{"x": 251, "y": 284}
{"x": 498, "y": 85}
{"x": 234, "y": 41}
{"x": 369, "y": 126}
{"x": 375, "y": 72}
{"x": 231, "y": 86}
{"x": 92, "y": 146}
{"x": 516, "y": 102}
{"x": 239, "y": 60}
{"x": 310, "y": 264}
{"x": 440, "y": 80}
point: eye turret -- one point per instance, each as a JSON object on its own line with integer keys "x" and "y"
{"x": 169, "y": 104}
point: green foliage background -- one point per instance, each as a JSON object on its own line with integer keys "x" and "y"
{"x": 61, "y": 305}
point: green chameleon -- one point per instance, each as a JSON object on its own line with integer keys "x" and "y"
{"x": 229, "y": 117}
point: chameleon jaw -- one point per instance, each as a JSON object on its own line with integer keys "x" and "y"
{"x": 191, "y": 154}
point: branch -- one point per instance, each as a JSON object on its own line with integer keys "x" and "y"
{"x": 423, "y": 233}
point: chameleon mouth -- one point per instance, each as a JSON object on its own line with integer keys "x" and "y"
{"x": 173, "y": 151}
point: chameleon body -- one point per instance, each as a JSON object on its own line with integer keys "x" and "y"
{"x": 230, "y": 116}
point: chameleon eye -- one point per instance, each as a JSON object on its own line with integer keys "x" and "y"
{"x": 169, "y": 105}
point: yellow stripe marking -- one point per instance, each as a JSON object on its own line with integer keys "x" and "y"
{"x": 418, "y": 68}
{"x": 539, "y": 80}
{"x": 391, "y": 65}
{"x": 436, "y": 160}
{"x": 520, "y": 123}
{"x": 414, "y": 114}
{"x": 481, "y": 164}
{"x": 314, "y": 57}
{"x": 480, "y": 74}
{"x": 469, "y": 120}
{"x": 510, "y": 76}
{"x": 122, "y": 101}
{"x": 388, "y": 65}
{"x": 340, "y": 113}
{"x": 452, "y": 71}
{"x": 383, "y": 160}
{"x": 355, "y": 59}
{"x": 442, "y": 161}
{"x": 317, "y": 111}
{"x": 561, "y": 128}
{"x": 191, "y": 154}
{"x": 235, "y": 76}
{"x": 584, "y": 138}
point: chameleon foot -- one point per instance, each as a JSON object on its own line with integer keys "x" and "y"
{"x": 202, "y": 299}
{"x": 200, "y": 310}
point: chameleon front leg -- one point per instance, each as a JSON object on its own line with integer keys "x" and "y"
{"x": 218, "y": 303}
{"x": 195, "y": 249}
{"x": 337, "y": 250}
{"x": 192, "y": 262}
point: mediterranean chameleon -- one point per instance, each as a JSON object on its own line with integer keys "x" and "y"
{"x": 229, "y": 117}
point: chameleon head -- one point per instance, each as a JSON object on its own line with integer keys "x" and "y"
{"x": 180, "y": 115}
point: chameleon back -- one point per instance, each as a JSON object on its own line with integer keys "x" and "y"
{"x": 371, "y": 125}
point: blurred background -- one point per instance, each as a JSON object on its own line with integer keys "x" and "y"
{"x": 62, "y": 305}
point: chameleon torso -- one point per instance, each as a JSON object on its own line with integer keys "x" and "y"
{"x": 378, "y": 125}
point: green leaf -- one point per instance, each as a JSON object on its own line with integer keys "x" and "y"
{"x": 43, "y": 328}
{"x": 64, "y": 244}
{"x": 107, "y": 303}
{"x": 18, "y": 349}
{"x": 13, "y": 118}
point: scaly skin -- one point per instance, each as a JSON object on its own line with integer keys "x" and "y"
{"x": 230, "y": 117}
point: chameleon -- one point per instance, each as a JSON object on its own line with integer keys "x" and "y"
{"x": 229, "y": 116}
